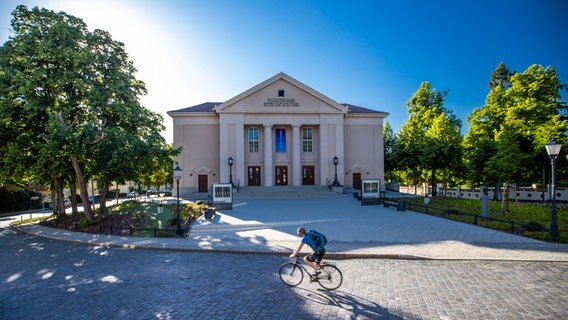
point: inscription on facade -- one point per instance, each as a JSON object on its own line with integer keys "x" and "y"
{"x": 281, "y": 102}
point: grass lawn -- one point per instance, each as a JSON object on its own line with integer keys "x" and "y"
{"x": 529, "y": 218}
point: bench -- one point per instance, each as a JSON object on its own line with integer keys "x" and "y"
{"x": 391, "y": 203}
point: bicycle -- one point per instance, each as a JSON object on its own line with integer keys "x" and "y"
{"x": 292, "y": 274}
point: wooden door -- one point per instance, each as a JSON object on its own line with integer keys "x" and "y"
{"x": 254, "y": 176}
{"x": 203, "y": 185}
{"x": 357, "y": 181}
{"x": 281, "y": 175}
{"x": 308, "y": 173}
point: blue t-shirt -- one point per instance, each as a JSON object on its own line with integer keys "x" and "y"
{"x": 307, "y": 239}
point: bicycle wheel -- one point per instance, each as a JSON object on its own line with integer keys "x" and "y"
{"x": 291, "y": 274}
{"x": 330, "y": 277}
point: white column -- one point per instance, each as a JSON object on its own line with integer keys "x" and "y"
{"x": 240, "y": 154}
{"x": 267, "y": 172}
{"x": 296, "y": 163}
{"x": 324, "y": 154}
{"x": 339, "y": 147}
{"x": 223, "y": 153}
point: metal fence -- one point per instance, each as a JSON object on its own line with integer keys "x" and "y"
{"x": 532, "y": 230}
{"x": 119, "y": 231}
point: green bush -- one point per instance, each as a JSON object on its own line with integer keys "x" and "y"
{"x": 19, "y": 200}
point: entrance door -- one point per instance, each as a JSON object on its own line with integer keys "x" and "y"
{"x": 281, "y": 175}
{"x": 202, "y": 183}
{"x": 308, "y": 175}
{"x": 254, "y": 176}
{"x": 357, "y": 181}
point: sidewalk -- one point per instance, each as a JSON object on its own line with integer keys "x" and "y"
{"x": 267, "y": 226}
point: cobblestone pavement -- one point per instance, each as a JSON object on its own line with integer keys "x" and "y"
{"x": 47, "y": 279}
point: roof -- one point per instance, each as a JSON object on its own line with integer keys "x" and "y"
{"x": 204, "y": 107}
{"x": 290, "y": 80}
{"x": 208, "y": 107}
{"x": 356, "y": 109}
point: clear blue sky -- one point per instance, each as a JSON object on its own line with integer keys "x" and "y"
{"x": 373, "y": 54}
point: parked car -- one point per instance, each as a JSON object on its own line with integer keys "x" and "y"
{"x": 97, "y": 199}
{"x": 66, "y": 203}
{"x": 132, "y": 194}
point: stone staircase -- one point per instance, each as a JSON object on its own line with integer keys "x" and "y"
{"x": 285, "y": 192}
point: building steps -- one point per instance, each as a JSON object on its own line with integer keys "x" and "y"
{"x": 284, "y": 192}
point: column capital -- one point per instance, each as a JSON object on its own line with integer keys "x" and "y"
{"x": 267, "y": 125}
{"x": 296, "y": 125}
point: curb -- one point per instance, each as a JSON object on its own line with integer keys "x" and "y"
{"x": 329, "y": 255}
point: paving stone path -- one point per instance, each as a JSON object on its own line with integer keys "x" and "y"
{"x": 48, "y": 279}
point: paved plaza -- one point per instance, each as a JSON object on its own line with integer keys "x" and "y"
{"x": 259, "y": 225}
{"x": 48, "y": 279}
{"x": 396, "y": 266}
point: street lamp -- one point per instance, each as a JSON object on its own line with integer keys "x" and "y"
{"x": 230, "y": 161}
{"x": 335, "y": 162}
{"x": 553, "y": 150}
{"x": 177, "y": 175}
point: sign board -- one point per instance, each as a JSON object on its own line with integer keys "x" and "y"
{"x": 370, "y": 191}
{"x": 223, "y": 196}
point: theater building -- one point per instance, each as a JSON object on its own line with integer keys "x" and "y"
{"x": 279, "y": 132}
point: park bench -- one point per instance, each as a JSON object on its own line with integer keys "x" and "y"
{"x": 392, "y": 203}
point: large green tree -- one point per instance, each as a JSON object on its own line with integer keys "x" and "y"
{"x": 430, "y": 140}
{"x": 390, "y": 146}
{"x": 70, "y": 96}
{"x": 524, "y": 110}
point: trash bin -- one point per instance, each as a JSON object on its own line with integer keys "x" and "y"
{"x": 160, "y": 209}
{"x": 209, "y": 213}
{"x": 400, "y": 206}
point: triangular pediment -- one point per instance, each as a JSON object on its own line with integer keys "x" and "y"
{"x": 281, "y": 94}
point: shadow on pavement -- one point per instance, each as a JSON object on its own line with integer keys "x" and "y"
{"x": 356, "y": 306}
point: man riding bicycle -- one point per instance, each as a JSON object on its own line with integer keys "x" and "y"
{"x": 316, "y": 241}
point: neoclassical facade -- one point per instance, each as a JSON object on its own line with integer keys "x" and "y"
{"x": 280, "y": 132}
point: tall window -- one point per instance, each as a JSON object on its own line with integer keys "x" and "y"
{"x": 307, "y": 139}
{"x": 280, "y": 140}
{"x": 253, "y": 139}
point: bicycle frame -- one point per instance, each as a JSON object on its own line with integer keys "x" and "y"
{"x": 302, "y": 266}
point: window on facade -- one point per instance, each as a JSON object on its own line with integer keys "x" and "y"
{"x": 280, "y": 93}
{"x": 307, "y": 139}
{"x": 253, "y": 139}
{"x": 280, "y": 140}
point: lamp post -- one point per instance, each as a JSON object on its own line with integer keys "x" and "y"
{"x": 230, "y": 161}
{"x": 335, "y": 162}
{"x": 177, "y": 176}
{"x": 553, "y": 150}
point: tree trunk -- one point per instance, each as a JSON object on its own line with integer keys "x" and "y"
{"x": 434, "y": 184}
{"x": 73, "y": 188}
{"x": 505, "y": 202}
{"x": 104, "y": 191}
{"x": 83, "y": 189}
{"x": 53, "y": 198}
{"x": 497, "y": 192}
{"x": 60, "y": 211}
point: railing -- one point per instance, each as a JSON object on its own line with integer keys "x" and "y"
{"x": 119, "y": 231}
{"x": 514, "y": 227}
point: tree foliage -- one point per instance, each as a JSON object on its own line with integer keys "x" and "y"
{"x": 429, "y": 141}
{"x": 523, "y": 112}
{"x": 69, "y": 106}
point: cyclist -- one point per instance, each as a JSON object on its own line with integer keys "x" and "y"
{"x": 316, "y": 241}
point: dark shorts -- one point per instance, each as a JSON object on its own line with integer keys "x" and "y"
{"x": 316, "y": 256}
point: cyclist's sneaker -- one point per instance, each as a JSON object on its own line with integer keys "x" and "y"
{"x": 317, "y": 272}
